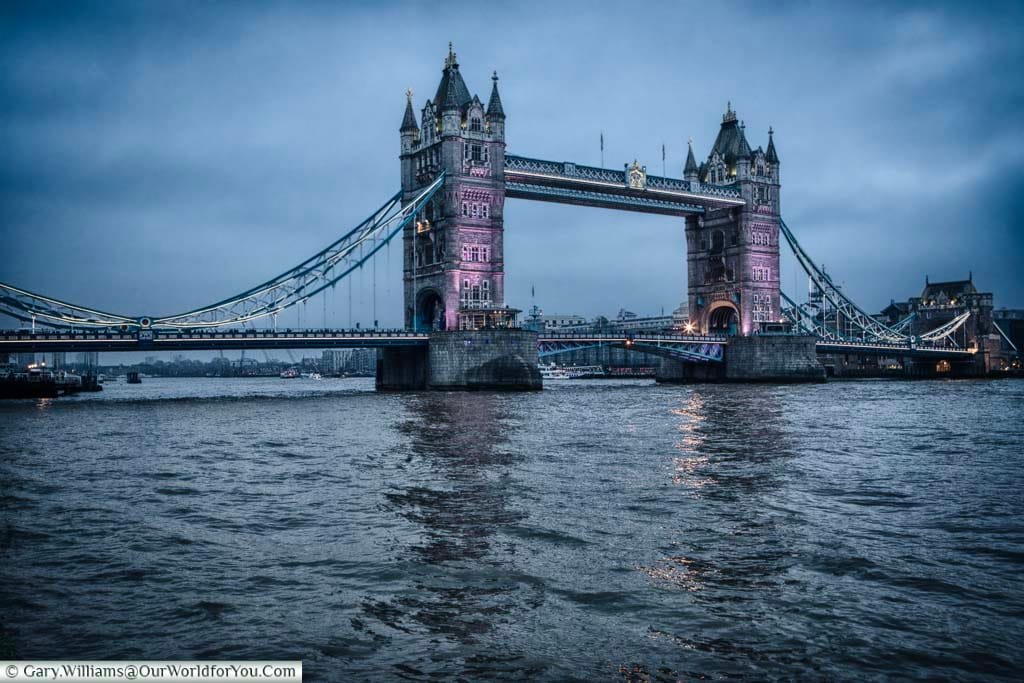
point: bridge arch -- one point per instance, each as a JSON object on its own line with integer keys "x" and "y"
{"x": 721, "y": 317}
{"x": 430, "y": 313}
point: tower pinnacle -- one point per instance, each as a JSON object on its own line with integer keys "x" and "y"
{"x": 409, "y": 119}
{"x": 729, "y": 114}
{"x": 770, "y": 154}
{"x": 690, "y": 171}
{"x": 494, "y": 107}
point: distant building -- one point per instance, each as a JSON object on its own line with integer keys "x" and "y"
{"x": 89, "y": 358}
{"x": 1009, "y": 324}
{"x": 332, "y": 361}
{"x": 941, "y": 302}
{"x": 894, "y": 312}
{"x": 349, "y": 362}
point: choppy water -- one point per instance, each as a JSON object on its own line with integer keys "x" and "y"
{"x": 596, "y": 530}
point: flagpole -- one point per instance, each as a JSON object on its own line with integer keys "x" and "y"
{"x": 663, "y": 172}
{"x": 602, "y": 149}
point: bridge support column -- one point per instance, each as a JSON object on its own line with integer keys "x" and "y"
{"x": 760, "y": 358}
{"x": 773, "y": 358}
{"x": 402, "y": 369}
{"x": 671, "y": 371}
{"x": 504, "y": 360}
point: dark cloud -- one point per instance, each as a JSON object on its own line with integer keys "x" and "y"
{"x": 158, "y": 156}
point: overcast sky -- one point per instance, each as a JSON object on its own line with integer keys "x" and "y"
{"x": 160, "y": 156}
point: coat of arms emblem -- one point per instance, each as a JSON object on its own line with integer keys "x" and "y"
{"x": 636, "y": 176}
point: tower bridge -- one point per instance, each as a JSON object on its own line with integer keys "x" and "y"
{"x": 458, "y": 328}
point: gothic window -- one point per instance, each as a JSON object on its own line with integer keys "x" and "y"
{"x": 485, "y": 253}
{"x": 487, "y": 154}
{"x": 465, "y": 208}
{"x": 476, "y": 152}
{"x": 474, "y": 123}
{"x": 717, "y": 241}
{"x": 762, "y": 308}
{"x": 474, "y": 253}
{"x": 465, "y": 151}
{"x": 484, "y": 211}
{"x": 703, "y": 245}
{"x": 485, "y": 287}
{"x": 465, "y": 253}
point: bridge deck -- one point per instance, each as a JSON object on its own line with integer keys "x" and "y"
{"x": 569, "y": 183}
{"x": 45, "y": 342}
{"x": 12, "y": 341}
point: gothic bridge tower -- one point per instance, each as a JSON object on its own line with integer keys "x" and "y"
{"x": 453, "y": 253}
{"x": 733, "y": 253}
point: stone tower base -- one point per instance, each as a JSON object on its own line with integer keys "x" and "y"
{"x": 766, "y": 358}
{"x": 503, "y": 360}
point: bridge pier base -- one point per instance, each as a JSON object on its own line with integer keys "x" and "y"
{"x": 503, "y": 360}
{"x": 498, "y": 360}
{"x": 671, "y": 371}
{"x": 760, "y": 358}
{"x": 402, "y": 369}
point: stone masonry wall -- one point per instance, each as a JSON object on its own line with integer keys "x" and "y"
{"x": 484, "y": 359}
{"x": 768, "y": 358}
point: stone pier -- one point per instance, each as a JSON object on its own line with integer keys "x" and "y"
{"x": 760, "y": 358}
{"x": 502, "y": 360}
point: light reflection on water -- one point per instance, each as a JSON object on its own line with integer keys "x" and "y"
{"x": 596, "y": 530}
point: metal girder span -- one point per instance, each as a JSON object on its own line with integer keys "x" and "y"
{"x": 21, "y": 304}
{"x": 945, "y": 331}
{"x": 688, "y": 351}
{"x": 860, "y": 321}
{"x": 805, "y": 320}
{"x": 650, "y": 204}
{"x": 902, "y": 325}
{"x": 313, "y": 275}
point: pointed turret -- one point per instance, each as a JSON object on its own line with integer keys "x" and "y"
{"x": 771, "y": 155}
{"x": 690, "y": 171}
{"x": 494, "y": 108}
{"x": 452, "y": 92}
{"x": 743, "y": 147}
{"x": 728, "y": 143}
{"x": 409, "y": 120}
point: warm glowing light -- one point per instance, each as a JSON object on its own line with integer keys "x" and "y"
{"x": 689, "y": 328}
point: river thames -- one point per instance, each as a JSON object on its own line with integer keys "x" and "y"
{"x": 597, "y": 530}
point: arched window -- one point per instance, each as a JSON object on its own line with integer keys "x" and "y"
{"x": 717, "y": 241}
{"x": 474, "y": 123}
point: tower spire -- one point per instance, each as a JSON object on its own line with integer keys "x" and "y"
{"x": 409, "y": 120}
{"x": 494, "y": 107}
{"x": 729, "y": 114}
{"x": 743, "y": 151}
{"x": 770, "y": 154}
{"x": 690, "y": 171}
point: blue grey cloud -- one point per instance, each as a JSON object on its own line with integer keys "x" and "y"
{"x": 161, "y": 156}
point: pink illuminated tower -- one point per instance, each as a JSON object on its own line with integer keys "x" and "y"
{"x": 733, "y": 253}
{"x": 453, "y": 253}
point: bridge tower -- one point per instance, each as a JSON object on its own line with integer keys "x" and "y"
{"x": 733, "y": 253}
{"x": 454, "y": 273}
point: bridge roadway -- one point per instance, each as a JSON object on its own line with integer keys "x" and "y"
{"x": 48, "y": 341}
{"x": 569, "y": 183}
